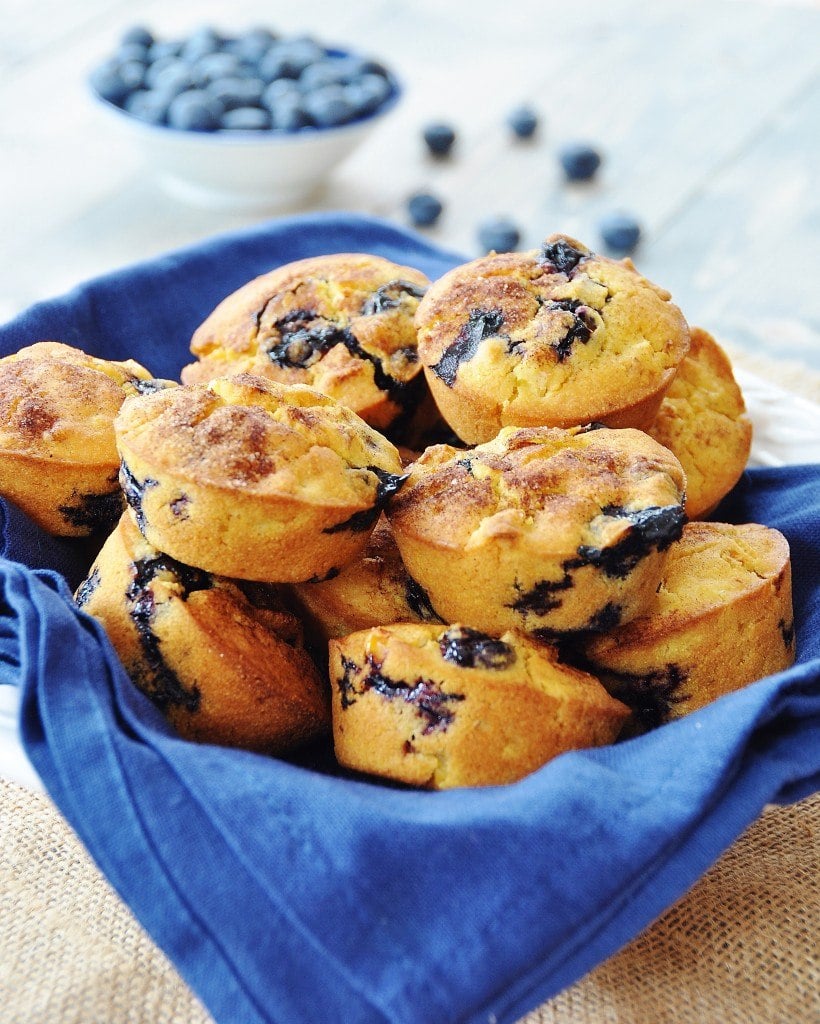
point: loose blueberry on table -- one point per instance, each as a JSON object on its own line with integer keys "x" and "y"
{"x": 498, "y": 234}
{"x": 255, "y": 81}
{"x": 579, "y": 160}
{"x": 424, "y": 209}
{"x": 439, "y": 138}
{"x": 620, "y": 232}
{"x": 523, "y": 121}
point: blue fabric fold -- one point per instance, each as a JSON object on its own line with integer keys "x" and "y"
{"x": 284, "y": 893}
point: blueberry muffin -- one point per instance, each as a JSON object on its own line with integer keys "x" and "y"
{"x": 553, "y": 337}
{"x": 542, "y": 529}
{"x": 254, "y": 479}
{"x": 58, "y": 459}
{"x": 221, "y": 659}
{"x": 373, "y": 590}
{"x": 703, "y": 420}
{"x": 721, "y": 618}
{"x": 447, "y": 706}
{"x": 342, "y": 324}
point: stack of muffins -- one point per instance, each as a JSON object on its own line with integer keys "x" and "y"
{"x": 298, "y": 554}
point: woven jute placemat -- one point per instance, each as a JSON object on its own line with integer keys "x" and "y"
{"x": 739, "y": 948}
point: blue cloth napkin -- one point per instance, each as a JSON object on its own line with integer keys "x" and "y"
{"x": 284, "y": 893}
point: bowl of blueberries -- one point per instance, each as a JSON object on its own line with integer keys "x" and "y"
{"x": 250, "y": 121}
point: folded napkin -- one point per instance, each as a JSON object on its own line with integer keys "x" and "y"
{"x": 283, "y": 892}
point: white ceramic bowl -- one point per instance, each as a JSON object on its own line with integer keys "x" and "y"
{"x": 248, "y": 170}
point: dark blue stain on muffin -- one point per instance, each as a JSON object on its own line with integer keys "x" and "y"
{"x": 481, "y": 324}
{"x": 651, "y": 696}
{"x": 390, "y": 296}
{"x": 562, "y": 257}
{"x": 87, "y": 588}
{"x": 604, "y": 619}
{"x": 388, "y": 485}
{"x": 346, "y": 682}
{"x": 431, "y": 702}
{"x": 134, "y": 491}
{"x": 545, "y": 595}
{"x": 179, "y": 507}
{"x": 331, "y": 574}
{"x": 94, "y": 512}
{"x": 418, "y": 601}
{"x": 787, "y": 632}
{"x": 469, "y": 648}
{"x": 653, "y": 528}
{"x": 579, "y": 330}
{"x": 305, "y": 336}
{"x": 156, "y": 678}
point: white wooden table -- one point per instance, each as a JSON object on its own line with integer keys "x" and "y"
{"x": 708, "y": 114}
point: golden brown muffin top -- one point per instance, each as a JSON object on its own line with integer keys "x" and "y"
{"x": 295, "y": 315}
{"x": 130, "y": 375}
{"x": 712, "y": 565}
{"x": 558, "y": 489}
{"x": 262, "y": 437}
{"x": 448, "y": 652}
{"x": 703, "y": 420}
{"x": 562, "y": 326}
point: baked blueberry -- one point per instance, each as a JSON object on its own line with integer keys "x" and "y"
{"x": 498, "y": 234}
{"x": 620, "y": 232}
{"x": 579, "y": 160}
{"x": 424, "y": 209}
{"x": 439, "y": 138}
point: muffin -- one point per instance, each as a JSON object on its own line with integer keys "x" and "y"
{"x": 249, "y": 478}
{"x": 702, "y": 419}
{"x": 447, "y": 706}
{"x": 371, "y": 591}
{"x": 541, "y": 529}
{"x": 58, "y": 459}
{"x": 342, "y": 324}
{"x": 722, "y": 618}
{"x": 553, "y": 337}
{"x": 222, "y": 660}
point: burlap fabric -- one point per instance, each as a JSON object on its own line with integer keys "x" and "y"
{"x": 740, "y": 948}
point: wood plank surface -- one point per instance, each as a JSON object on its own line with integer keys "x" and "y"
{"x": 707, "y": 113}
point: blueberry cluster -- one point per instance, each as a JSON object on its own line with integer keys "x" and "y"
{"x": 255, "y": 81}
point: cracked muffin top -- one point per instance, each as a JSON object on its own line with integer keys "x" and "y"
{"x": 57, "y": 401}
{"x": 561, "y": 490}
{"x": 260, "y": 437}
{"x": 558, "y": 336}
{"x": 341, "y": 323}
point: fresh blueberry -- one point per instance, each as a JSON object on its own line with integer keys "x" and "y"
{"x": 215, "y": 65}
{"x": 281, "y": 88}
{"x": 620, "y": 232}
{"x": 579, "y": 160}
{"x": 148, "y": 105}
{"x": 439, "y": 138}
{"x": 498, "y": 234}
{"x": 194, "y": 110}
{"x": 138, "y": 34}
{"x": 329, "y": 106}
{"x": 252, "y": 45}
{"x": 237, "y": 92}
{"x": 287, "y": 113}
{"x": 169, "y": 76}
{"x": 289, "y": 57}
{"x": 246, "y": 119}
{"x": 205, "y": 40}
{"x": 164, "y": 48}
{"x": 368, "y": 93}
{"x": 523, "y": 121}
{"x": 424, "y": 209}
{"x": 108, "y": 83}
{"x": 132, "y": 73}
{"x": 327, "y": 71}
{"x": 132, "y": 51}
